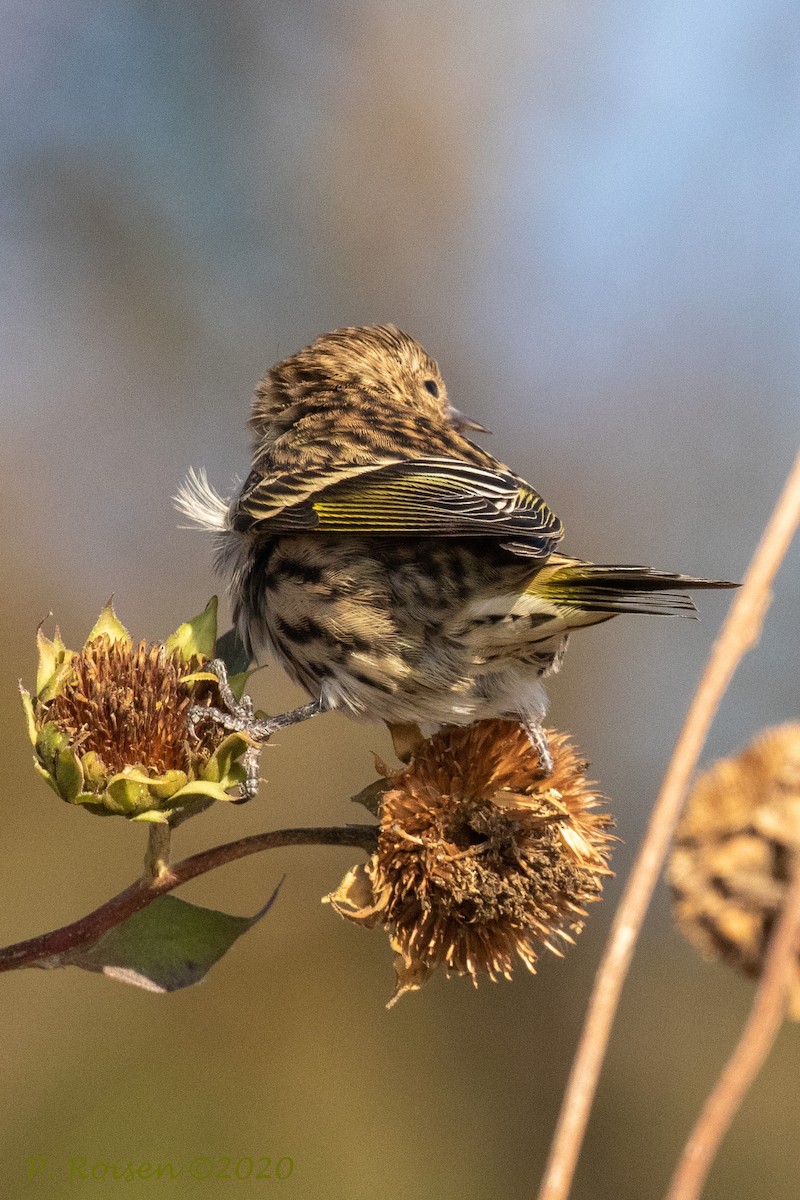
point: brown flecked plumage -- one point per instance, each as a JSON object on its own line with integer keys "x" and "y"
{"x": 397, "y": 570}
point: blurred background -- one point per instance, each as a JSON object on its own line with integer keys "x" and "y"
{"x": 589, "y": 215}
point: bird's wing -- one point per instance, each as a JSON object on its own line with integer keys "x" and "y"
{"x": 437, "y": 496}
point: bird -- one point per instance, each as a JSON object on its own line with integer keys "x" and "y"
{"x": 394, "y": 568}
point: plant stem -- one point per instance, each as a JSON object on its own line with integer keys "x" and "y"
{"x": 739, "y": 634}
{"x": 48, "y": 946}
{"x": 156, "y": 860}
{"x": 755, "y": 1043}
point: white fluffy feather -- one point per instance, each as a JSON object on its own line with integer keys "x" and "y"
{"x": 201, "y": 503}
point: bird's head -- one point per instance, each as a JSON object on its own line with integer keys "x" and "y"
{"x": 351, "y": 366}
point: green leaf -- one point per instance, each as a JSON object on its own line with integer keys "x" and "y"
{"x": 230, "y": 648}
{"x": 127, "y": 793}
{"x": 55, "y": 684}
{"x": 51, "y": 656}
{"x": 46, "y": 776}
{"x": 50, "y": 742}
{"x": 168, "y": 945}
{"x": 108, "y": 623}
{"x": 91, "y": 802}
{"x": 197, "y": 637}
{"x": 228, "y": 752}
{"x": 95, "y": 773}
{"x": 69, "y": 775}
{"x": 159, "y": 787}
{"x": 164, "y": 786}
{"x": 30, "y": 716}
{"x": 237, "y": 683}
{"x": 200, "y": 787}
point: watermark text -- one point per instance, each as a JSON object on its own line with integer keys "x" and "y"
{"x": 127, "y": 1170}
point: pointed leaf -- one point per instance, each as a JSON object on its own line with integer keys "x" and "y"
{"x": 168, "y": 945}
{"x": 372, "y": 795}
{"x": 108, "y": 623}
{"x": 230, "y": 648}
{"x": 196, "y": 638}
{"x": 237, "y": 683}
{"x": 46, "y": 776}
{"x": 30, "y": 716}
{"x": 201, "y": 787}
{"x": 53, "y": 663}
{"x": 50, "y": 656}
{"x": 57, "y": 680}
{"x": 228, "y": 752}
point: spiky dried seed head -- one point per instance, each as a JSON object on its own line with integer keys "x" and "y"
{"x": 129, "y": 704}
{"x": 481, "y": 859}
{"x": 110, "y": 723}
{"x": 734, "y": 850}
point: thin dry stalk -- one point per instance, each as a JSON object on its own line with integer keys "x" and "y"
{"x": 739, "y": 634}
{"x": 755, "y": 1043}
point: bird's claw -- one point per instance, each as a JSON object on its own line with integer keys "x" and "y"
{"x": 239, "y": 716}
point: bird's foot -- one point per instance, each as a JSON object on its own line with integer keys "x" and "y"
{"x": 239, "y": 716}
{"x": 537, "y": 738}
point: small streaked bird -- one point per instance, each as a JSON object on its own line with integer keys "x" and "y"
{"x": 395, "y": 569}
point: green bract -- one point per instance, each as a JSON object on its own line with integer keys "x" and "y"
{"x": 109, "y": 723}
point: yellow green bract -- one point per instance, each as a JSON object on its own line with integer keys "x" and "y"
{"x": 109, "y": 723}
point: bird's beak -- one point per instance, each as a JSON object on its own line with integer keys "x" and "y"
{"x": 461, "y": 422}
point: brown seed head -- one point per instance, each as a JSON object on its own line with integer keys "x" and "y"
{"x": 129, "y": 705}
{"x": 734, "y": 852}
{"x": 480, "y": 858}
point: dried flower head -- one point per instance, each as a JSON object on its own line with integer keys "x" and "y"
{"x": 481, "y": 857}
{"x": 127, "y": 704}
{"x": 109, "y": 723}
{"x": 734, "y": 851}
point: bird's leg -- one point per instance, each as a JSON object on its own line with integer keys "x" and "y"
{"x": 239, "y": 716}
{"x": 536, "y": 737}
{"x": 406, "y": 739}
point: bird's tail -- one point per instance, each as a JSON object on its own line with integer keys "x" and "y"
{"x": 594, "y": 588}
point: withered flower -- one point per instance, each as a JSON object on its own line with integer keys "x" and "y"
{"x": 109, "y": 722}
{"x": 734, "y": 852}
{"x": 481, "y": 858}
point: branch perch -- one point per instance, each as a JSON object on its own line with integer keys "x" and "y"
{"x": 36, "y": 951}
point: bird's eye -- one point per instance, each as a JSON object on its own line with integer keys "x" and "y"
{"x": 432, "y": 386}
